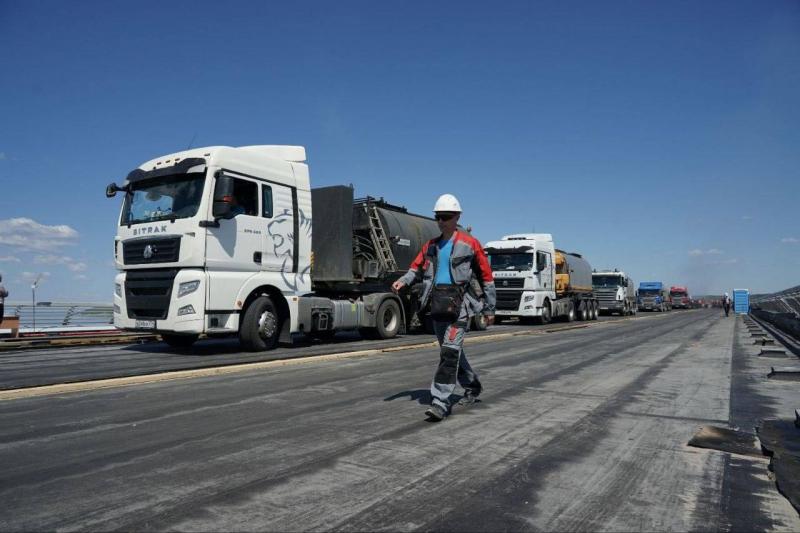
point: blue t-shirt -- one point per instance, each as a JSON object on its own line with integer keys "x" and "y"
{"x": 443, "y": 268}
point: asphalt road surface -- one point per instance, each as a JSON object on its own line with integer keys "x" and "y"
{"x": 581, "y": 429}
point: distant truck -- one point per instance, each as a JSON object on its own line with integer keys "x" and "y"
{"x": 615, "y": 292}
{"x": 536, "y": 282}
{"x": 679, "y": 296}
{"x": 218, "y": 241}
{"x": 741, "y": 301}
{"x": 653, "y": 297}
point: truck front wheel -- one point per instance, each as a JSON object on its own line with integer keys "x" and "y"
{"x": 388, "y": 319}
{"x": 547, "y": 314}
{"x": 260, "y": 326}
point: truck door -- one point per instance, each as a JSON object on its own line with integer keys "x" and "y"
{"x": 545, "y": 276}
{"x": 234, "y": 249}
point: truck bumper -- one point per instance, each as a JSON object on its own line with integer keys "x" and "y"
{"x": 184, "y": 314}
{"x": 519, "y": 303}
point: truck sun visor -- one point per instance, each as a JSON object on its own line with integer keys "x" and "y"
{"x": 192, "y": 164}
{"x": 514, "y": 250}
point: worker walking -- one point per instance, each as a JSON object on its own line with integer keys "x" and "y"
{"x": 726, "y": 304}
{"x": 447, "y": 266}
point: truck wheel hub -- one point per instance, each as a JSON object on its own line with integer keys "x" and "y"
{"x": 267, "y": 325}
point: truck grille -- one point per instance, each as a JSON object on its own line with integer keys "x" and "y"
{"x": 508, "y": 300}
{"x": 147, "y": 292}
{"x": 162, "y": 250}
{"x": 605, "y": 296}
{"x": 511, "y": 283}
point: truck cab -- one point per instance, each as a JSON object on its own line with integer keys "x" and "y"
{"x": 615, "y": 292}
{"x": 679, "y": 296}
{"x": 524, "y": 275}
{"x": 653, "y": 296}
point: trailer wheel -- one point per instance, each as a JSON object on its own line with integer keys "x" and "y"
{"x": 583, "y": 314}
{"x": 594, "y": 311}
{"x": 180, "y": 342}
{"x": 260, "y": 326}
{"x": 388, "y": 319}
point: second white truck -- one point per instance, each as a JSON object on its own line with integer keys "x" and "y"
{"x": 538, "y": 283}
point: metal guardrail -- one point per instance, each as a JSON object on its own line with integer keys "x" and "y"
{"x": 62, "y": 317}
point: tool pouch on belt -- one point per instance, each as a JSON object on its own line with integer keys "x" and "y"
{"x": 446, "y": 301}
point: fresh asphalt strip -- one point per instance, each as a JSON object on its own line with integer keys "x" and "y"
{"x": 107, "y": 383}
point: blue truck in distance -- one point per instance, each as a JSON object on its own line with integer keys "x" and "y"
{"x": 741, "y": 301}
{"x": 653, "y": 297}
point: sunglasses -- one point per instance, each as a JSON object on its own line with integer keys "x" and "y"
{"x": 444, "y": 217}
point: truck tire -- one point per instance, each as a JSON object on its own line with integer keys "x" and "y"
{"x": 261, "y": 326}
{"x": 479, "y": 322}
{"x": 547, "y": 313}
{"x": 595, "y": 312}
{"x": 180, "y": 342}
{"x": 388, "y": 319}
{"x": 570, "y": 316}
{"x": 583, "y": 311}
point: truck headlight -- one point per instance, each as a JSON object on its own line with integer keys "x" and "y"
{"x": 118, "y": 289}
{"x": 187, "y": 288}
{"x": 117, "y": 310}
{"x": 529, "y": 298}
{"x": 186, "y": 310}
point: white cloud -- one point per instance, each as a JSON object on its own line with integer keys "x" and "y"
{"x": 71, "y": 264}
{"x": 9, "y": 259}
{"x": 747, "y": 217}
{"x": 3, "y": 156}
{"x": 31, "y": 276}
{"x": 790, "y": 240}
{"x": 710, "y": 251}
{"x": 27, "y": 234}
{"x": 81, "y": 276}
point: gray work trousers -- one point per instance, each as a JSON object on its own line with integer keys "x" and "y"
{"x": 453, "y": 364}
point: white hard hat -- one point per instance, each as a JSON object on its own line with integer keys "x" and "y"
{"x": 447, "y": 202}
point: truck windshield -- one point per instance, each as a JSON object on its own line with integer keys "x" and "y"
{"x": 678, "y": 293}
{"x": 511, "y": 261}
{"x": 166, "y": 197}
{"x": 649, "y": 292}
{"x": 606, "y": 281}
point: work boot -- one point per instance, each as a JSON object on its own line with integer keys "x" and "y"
{"x": 469, "y": 398}
{"x": 436, "y": 412}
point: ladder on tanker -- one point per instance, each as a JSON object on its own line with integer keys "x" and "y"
{"x": 380, "y": 239}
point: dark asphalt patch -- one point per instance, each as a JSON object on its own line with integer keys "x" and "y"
{"x": 781, "y": 440}
{"x": 726, "y": 440}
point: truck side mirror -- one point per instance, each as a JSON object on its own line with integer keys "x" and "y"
{"x": 112, "y": 188}
{"x": 223, "y": 190}
{"x": 541, "y": 261}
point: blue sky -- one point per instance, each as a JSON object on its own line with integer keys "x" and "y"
{"x": 656, "y": 137}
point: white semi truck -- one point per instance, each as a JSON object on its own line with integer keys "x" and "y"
{"x": 218, "y": 241}
{"x": 537, "y": 282}
{"x": 615, "y": 292}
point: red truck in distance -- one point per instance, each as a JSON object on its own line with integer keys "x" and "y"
{"x": 680, "y": 298}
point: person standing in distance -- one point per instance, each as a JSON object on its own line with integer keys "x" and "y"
{"x": 3, "y": 296}
{"x": 446, "y": 266}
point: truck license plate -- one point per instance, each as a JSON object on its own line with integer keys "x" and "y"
{"x": 145, "y": 324}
